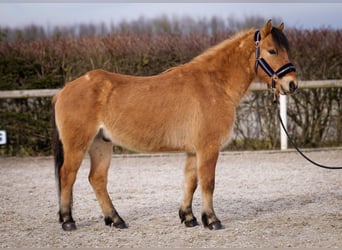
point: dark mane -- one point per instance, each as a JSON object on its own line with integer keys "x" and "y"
{"x": 280, "y": 39}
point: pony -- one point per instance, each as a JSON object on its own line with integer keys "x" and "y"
{"x": 189, "y": 108}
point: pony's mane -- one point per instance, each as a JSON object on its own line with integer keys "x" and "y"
{"x": 224, "y": 45}
{"x": 277, "y": 35}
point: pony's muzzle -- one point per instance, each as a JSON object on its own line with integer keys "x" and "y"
{"x": 293, "y": 86}
{"x": 287, "y": 85}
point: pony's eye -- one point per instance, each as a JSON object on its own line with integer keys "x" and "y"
{"x": 272, "y": 51}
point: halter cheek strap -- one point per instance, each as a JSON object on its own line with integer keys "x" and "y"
{"x": 275, "y": 75}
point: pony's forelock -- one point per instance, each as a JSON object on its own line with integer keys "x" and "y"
{"x": 280, "y": 39}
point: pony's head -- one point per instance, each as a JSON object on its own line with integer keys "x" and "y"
{"x": 272, "y": 60}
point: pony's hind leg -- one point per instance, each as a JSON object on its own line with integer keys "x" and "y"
{"x": 190, "y": 184}
{"x": 67, "y": 176}
{"x": 69, "y": 154}
{"x": 100, "y": 156}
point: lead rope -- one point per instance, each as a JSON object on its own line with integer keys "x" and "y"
{"x": 299, "y": 151}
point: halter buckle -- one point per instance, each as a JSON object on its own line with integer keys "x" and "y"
{"x": 257, "y": 38}
{"x": 257, "y": 52}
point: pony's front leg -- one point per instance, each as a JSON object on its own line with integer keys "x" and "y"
{"x": 190, "y": 185}
{"x": 206, "y": 173}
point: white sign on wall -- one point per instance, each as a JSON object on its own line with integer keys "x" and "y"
{"x": 3, "y": 138}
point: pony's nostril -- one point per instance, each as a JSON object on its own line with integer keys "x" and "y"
{"x": 292, "y": 86}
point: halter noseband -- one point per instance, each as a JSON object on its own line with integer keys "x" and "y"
{"x": 275, "y": 75}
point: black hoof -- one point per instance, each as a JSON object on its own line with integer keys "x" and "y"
{"x": 215, "y": 225}
{"x": 191, "y": 223}
{"x": 120, "y": 224}
{"x": 69, "y": 226}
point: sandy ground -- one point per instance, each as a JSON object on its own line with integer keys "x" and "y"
{"x": 264, "y": 199}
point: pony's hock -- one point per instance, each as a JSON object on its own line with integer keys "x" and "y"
{"x": 189, "y": 108}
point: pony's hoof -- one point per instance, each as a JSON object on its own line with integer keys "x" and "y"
{"x": 215, "y": 225}
{"x": 69, "y": 226}
{"x": 191, "y": 223}
{"x": 120, "y": 225}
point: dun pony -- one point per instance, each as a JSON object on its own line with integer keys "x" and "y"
{"x": 189, "y": 108}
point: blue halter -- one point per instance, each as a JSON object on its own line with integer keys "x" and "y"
{"x": 275, "y": 75}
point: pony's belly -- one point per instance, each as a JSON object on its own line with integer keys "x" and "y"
{"x": 149, "y": 142}
{"x": 146, "y": 147}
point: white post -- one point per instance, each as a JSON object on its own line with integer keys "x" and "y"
{"x": 283, "y": 115}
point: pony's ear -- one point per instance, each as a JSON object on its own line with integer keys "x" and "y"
{"x": 266, "y": 29}
{"x": 281, "y": 26}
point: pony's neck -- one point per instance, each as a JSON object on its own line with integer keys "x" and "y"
{"x": 231, "y": 64}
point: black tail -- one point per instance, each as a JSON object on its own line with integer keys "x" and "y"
{"x": 58, "y": 153}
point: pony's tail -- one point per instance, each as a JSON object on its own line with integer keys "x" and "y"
{"x": 58, "y": 152}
